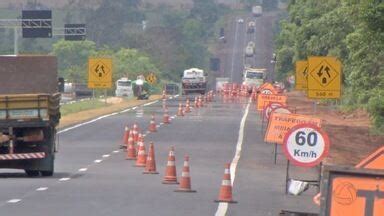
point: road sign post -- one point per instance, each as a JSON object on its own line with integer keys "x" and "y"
{"x": 306, "y": 145}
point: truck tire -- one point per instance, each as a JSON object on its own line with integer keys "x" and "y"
{"x": 32, "y": 173}
{"x": 47, "y": 173}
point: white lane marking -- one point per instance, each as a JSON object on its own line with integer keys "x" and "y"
{"x": 106, "y": 155}
{"x": 96, "y": 119}
{"x": 172, "y": 117}
{"x": 161, "y": 123}
{"x": 116, "y": 151}
{"x": 14, "y": 201}
{"x": 223, "y": 207}
{"x": 97, "y": 161}
{"x": 64, "y": 179}
{"x": 150, "y": 103}
{"x": 83, "y": 169}
{"x": 42, "y": 189}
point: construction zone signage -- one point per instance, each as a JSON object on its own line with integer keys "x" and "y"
{"x": 99, "y": 73}
{"x": 306, "y": 145}
{"x": 324, "y": 78}
{"x": 280, "y": 123}
{"x": 267, "y": 88}
{"x": 352, "y": 192}
{"x": 264, "y": 99}
{"x": 301, "y": 74}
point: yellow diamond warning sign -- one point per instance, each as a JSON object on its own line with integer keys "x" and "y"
{"x": 301, "y": 75}
{"x": 324, "y": 77}
{"x": 99, "y": 73}
{"x": 151, "y": 78}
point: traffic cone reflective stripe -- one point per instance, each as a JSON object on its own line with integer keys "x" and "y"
{"x": 150, "y": 165}
{"x": 185, "y": 180}
{"x": 141, "y": 156}
{"x": 170, "y": 172}
{"x": 135, "y": 132}
{"x": 152, "y": 124}
{"x": 225, "y": 194}
{"x": 130, "y": 139}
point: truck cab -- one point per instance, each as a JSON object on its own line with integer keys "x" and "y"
{"x": 123, "y": 87}
{"x": 253, "y": 77}
{"x": 194, "y": 80}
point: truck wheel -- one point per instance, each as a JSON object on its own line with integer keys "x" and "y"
{"x": 32, "y": 173}
{"x": 47, "y": 173}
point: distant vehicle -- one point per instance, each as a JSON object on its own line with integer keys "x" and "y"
{"x": 251, "y": 27}
{"x": 194, "y": 80}
{"x": 81, "y": 90}
{"x": 141, "y": 88}
{"x": 240, "y": 20}
{"x": 171, "y": 89}
{"x": 222, "y": 36}
{"x": 253, "y": 77}
{"x": 124, "y": 87}
{"x": 257, "y": 11}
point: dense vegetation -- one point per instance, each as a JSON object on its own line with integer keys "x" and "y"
{"x": 353, "y": 31}
{"x": 172, "y": 39}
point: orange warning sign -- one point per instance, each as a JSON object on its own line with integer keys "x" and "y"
{"x": 267, "y": 88}
{"x": 280, "y": 123}
{"x": 354, "y": 192}
{"x": 264, "y": 99}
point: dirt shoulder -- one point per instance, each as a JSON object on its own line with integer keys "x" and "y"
{"x": 117, "y": 105}
{"x": 349, "y": 133}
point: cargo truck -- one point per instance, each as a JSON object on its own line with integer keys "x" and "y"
{"x": 257, "y": 10}
{"x": 29, "y": 113}
{"x": 194, "y": 80}
{"x": 253, "y": 77}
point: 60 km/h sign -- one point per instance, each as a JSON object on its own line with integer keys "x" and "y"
{"x": 306, "y": 145}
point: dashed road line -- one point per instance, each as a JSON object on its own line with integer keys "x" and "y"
{"x": 42, "y": 189}
{"x": 64, "y": 179}
{"x": 14, "y": 201}
{"x": 83, "y": 169}
{"x": 97, "y": 161}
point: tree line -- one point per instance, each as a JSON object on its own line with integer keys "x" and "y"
{"x": 351, "y": 30}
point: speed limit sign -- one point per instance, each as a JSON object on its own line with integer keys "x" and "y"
{"x": 306, "y": 145}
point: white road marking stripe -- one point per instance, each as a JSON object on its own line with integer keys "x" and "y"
{"x": 150, "y": 103}
{"x": 97, "y": 161}
{"x": 133, "y": 108}
{"x": 172, "y": 117}
{"x": 64, "y": 179}
{"x": 83, "y": 169}
{"x": 116, "y": 151}
{"x": 14, "y": 201}
{"x": 106, "y": 155}
{"x": 126, "y": 110}
{"x": 42, "y": 189}
{"x": 223, "y": 207}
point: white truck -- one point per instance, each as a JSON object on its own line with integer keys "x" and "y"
{"x": 257, "y": 10}
{"x": 194, "y": 80}
{"x": 250, "y": 49}
{"x": 124, "y": 87}
{"x": 253, "y": 77}
{"x": 251, "y": 27}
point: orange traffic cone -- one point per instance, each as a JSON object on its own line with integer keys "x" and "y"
{"x": 187, "y": 107}
{"x": 141, "y": 155}
{"x": 166, "y": 119}
{"x": 180, "y": 111}
{"x": 196, "y": 103}
{"x": 131, "y": 150}
{"x": 170, "y": 172}
{"x": 185, "y": 180}
{"x": 152, "y": 124}
{"x": 130, "y": 139}
{"x": 135, "y": 132}
{"x": 200, "y": 102}
{"x": 125, "y": 136}
{"x": 150, "y": 165}
{"x": 225, "y": 194}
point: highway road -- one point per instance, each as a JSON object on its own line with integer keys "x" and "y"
{"x": 93, "y": 178}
